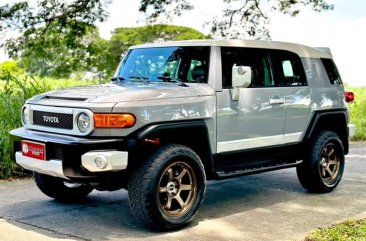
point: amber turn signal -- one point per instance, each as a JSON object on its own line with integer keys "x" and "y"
{"x": 114, "y": 120}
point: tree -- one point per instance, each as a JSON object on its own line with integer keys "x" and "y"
{"x": 240, "y": 19}
{"x": 70, "y": 18}
{"x": 58, "y": 53}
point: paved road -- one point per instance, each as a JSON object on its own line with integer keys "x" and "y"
{"x": 269, "y": 206}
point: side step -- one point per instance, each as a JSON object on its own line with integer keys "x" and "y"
{"x": 232, "y": 173}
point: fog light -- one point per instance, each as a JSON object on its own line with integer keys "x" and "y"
{"x": 100, "y": 162}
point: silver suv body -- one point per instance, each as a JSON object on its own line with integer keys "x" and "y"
{"x": 179, "y": 113}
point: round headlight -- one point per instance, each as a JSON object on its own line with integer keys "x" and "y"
{"x": 84, "y": 122}
{"x": 25, "y": 116}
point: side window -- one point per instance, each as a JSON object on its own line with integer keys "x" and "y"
{"x": 332, "y": 71}
{"x": 288, "y": 68}
{"x": 256, "y": 59}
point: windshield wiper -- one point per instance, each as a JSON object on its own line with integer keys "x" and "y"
{"x": 172, "y": 79}
{"x": 138, "y": 77}
{"x": 118, "y": 78}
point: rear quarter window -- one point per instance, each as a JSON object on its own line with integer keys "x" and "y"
{"x": 332, "y": 71}
{"x": 288, "y": 68}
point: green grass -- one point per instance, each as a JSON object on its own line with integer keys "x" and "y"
{"x": 358, "y": 112}
{"x": 346, "y": 231}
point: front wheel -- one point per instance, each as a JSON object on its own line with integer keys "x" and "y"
{"x": 60, "y": 189}
{"x": 166, "y": 191}
{"x": 323, "y": 167}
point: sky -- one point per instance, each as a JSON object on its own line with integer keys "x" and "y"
{"x": 343, "y": 29}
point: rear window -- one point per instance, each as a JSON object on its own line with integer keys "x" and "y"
{"x": 332, "y": 71}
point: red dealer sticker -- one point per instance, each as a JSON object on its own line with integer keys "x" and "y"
{"x": 34, "y": 150}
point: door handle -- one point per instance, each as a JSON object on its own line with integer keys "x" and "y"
{"x": 276, "y": 101}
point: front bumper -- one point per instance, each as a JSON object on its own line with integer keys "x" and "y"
{"x": 49, "y": 167}
{"x": 71, "y": 157}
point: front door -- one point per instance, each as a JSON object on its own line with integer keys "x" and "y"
{"x": 270, "y": 111}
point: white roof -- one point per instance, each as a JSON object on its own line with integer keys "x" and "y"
{"x": 301, "y": 50}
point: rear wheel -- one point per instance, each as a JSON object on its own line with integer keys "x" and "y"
{"x": 323, "y": 167}
{"x": 167, "y": 190}
{"x": 60, "y": 189}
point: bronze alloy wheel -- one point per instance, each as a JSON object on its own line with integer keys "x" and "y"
{"x": 177, "y": 189}
{"x": 166, "y": 191}
{"x": 329, "y": 164}
{"x": 323, "y": 164}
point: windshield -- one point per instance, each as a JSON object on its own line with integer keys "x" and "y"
{"x": 166, "y": 64}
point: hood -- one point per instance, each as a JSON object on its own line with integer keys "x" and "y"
{"x": 125, "y": 92}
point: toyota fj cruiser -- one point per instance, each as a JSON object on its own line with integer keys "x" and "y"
{"x": 179, "y": 113}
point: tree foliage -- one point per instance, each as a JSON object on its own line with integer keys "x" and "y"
{"x": 71, "y": 19}
{"x": 240, "y": 18}
{"x": 59, "y": 53}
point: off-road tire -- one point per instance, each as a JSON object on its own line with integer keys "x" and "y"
{"x": 58, "y": 189}
{"x": 323, "y": 165}
{"x": 163, "y": 177}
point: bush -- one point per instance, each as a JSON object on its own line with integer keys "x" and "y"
{"x": 358, "y": 112}
{"x": 10, "y": 68}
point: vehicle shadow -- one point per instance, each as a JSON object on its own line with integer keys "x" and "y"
{"x": 107, "y": 215}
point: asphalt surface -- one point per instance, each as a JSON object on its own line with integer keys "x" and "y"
{"x": 268, "y": 206}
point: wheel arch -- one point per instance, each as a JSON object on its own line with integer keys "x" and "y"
{"x": 335, "y": 121}
{"x": 193, "y": 134}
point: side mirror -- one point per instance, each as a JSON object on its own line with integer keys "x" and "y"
{"x": 241, "y": 78}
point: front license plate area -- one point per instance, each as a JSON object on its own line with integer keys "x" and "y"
{"x": 34, "y": 150}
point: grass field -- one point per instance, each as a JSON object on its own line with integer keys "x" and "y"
{"x": 346, "y": 231}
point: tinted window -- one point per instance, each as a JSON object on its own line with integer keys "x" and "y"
{"x": 288, "y": 68}
{"x": 256, "y": 59}
{"x": 188, "y": 64}
{"x": 332, "y": 71}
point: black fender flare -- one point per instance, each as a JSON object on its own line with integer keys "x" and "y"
{"x": 191, "y": 133}
{"x": 333, "y": 120}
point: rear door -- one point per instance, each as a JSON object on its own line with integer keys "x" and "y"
{"x": 289, "y": 74}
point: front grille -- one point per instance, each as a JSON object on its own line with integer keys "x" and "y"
{"x": 55, "y": 153}
{"x": 54, "y": 120}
